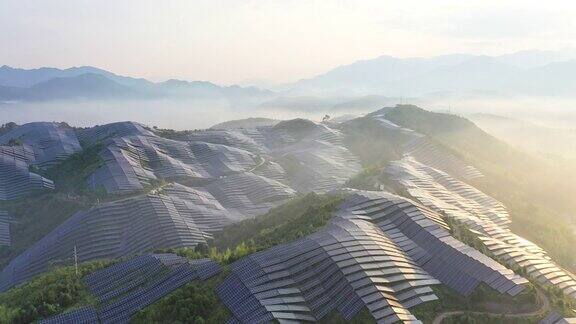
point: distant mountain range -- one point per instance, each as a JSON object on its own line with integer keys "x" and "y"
{"x": 93, "y": 83}
{"x": 542, "y": 73}
{"x": 376, "y": 81}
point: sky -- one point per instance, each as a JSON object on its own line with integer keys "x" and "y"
{"x": 239, "y": 41}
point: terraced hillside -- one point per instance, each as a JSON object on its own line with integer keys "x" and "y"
{"x": 421, "y": 225}
{"x": 188, "y": 187}
{"x": 380, "y": 251}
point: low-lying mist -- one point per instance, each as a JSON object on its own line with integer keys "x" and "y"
{"x": 175, "y": 114}
{"x": 198, "y": 113}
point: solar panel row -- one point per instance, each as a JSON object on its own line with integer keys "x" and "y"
{"x": 82, "y": 315}
{"x": 16, "y": 179}
{"x": 5, "y": 229}
{"x": 556, "y": 318}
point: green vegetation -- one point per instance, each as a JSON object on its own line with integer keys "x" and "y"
{"x": 299, "y": 127}
{"x": 170, "y": 133}
{"x": 196, "y": 302}
{"x": 14, "y": 142}
{"x": 483, "y": 299}
{"x": 471, "y": 318}
{"x": 538, "y": 196}
{"x": 5, "y": 128}
{"x": 70, "y": 175}
{"x": 374, "y": 178}
{"x": 297, "y": 218}
{"x": 49, "y": 294}
{"x": 372, "y": 143}
{"x": 363, "y": 317}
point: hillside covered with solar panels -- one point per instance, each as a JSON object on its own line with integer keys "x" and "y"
{"x": 400, "y": 215}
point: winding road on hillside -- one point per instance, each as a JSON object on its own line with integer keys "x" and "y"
{"x": 543, "y": 309}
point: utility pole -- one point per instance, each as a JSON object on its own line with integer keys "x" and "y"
{"x": 76, "y": 260}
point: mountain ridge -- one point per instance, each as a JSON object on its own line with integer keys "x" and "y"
{"x": 517, "y": 73}
{"x": 44, "y": 84}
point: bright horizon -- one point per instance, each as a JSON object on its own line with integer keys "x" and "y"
{"x": 234, "y": 41}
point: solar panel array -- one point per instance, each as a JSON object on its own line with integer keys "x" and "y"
{"x": 249, "y": 194}
{"x": 486, "y": 216}
{"x": 178, "y": 217}
{"x": 557, "y": 318}
{"x": 321, "y": 166}
{"x": 100, "y": 133}
{"x": 348, "y": 265}
{"x": 16, "y": 179}
{"x": 40, "y": 144}
{"x": 425, "y": 236}
{"x": 516, "y": 251}
{"x": 50, "y": 142}
{"x": 134, "y": 156}
{"x": 431, "y": 154}
{"x": 125, "y": 169}
{"x": 5, "y": 229}
{"x": 131, "y": 162}
{"x": 249, "y": 140}
{"x": 82, "y": 315}
{"x": 125, "y": 288}
{"x": 379, "y": 251}
{"x": 440, "y": 191}
{"x": 314, "y": 153}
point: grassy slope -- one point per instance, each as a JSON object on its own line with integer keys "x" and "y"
{"x": 294, "y": 219}
{"x": 196, "y": 302}
{"x": 373, "y": 144}
{"x": 484, "y": 299}
{"x": 538, "y": 197}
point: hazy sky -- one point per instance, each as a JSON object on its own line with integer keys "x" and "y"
{"x": 283, "y": 40}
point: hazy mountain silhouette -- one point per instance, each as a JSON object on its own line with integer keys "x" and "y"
{"x": 93, "y": 83}
{"x": 547, "y": 72}
{"x": 541, "y": 73}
